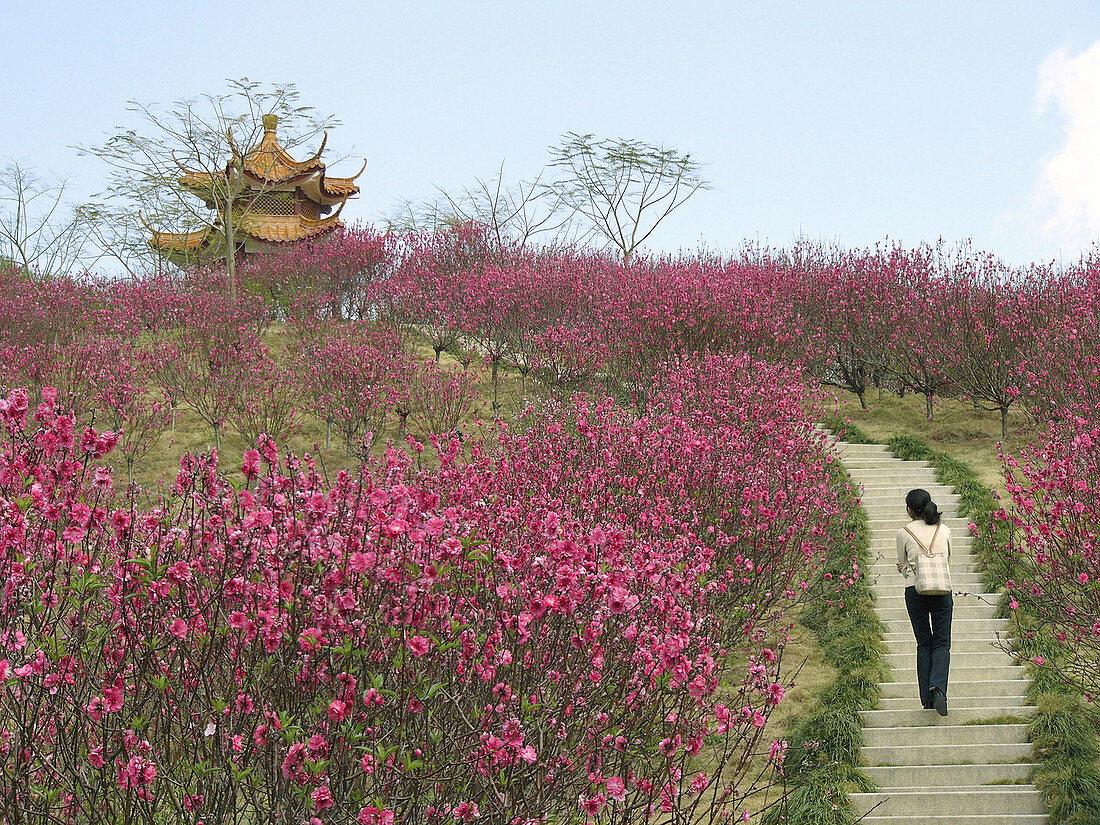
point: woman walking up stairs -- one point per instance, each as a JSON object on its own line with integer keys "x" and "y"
{"x": 972, "y": 765}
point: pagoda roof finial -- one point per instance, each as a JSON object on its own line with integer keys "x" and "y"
{"x": 271, "y": 122}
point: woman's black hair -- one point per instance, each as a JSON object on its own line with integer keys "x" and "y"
{"x": 920, "y": 502}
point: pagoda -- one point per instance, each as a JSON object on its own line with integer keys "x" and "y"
{"x": 277, "y": 201}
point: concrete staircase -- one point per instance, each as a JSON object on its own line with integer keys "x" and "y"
{"x": 953, "y": 770}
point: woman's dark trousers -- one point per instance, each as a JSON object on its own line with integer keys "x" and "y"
{"x": 931, "y": 619}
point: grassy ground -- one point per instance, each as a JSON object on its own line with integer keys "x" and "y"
{"x": 967, "y": 434}
{"x": 804, "y": 662}
{"x": 192, "y": 435}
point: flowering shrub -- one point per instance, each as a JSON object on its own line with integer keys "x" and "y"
{"x": 339, "y": 277}
{"x": 348, "y": 373}
{"x": 1053, "y": 524}
{"x": 537, "y": 631}
{"x": 440, "y": 400}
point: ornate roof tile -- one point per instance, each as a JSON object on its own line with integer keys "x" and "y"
{"x": 181, "y": 242}
{"x": 286, "y": 228}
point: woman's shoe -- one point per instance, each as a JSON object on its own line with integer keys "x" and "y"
{"x": 939, "y": 701}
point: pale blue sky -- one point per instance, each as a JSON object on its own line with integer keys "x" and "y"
{"x": 843, "y": 121}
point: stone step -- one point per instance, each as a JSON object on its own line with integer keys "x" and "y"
{"x": 935, "y": 800}
{"x": 959, "y": 612}
{"x": 1010, "y": 672}
{"x": 876, "y": 462}
{"x": 885, "y": 545}
{"x": 959, "y": 658}
{"x": 966, "y": 675}
{"x": 878, "y": 503}
{"x": 963, "y": 567}
{"x": 878, "y": 495}
{"x": 960, "y": 702}
{"x": 912, "y": 716}
{"x": 940, "y": 755}
{"x": 967, "y": 585}
{"x": 959, "y": 819}
{"x": 890, "y": 593}
{"x": 890, "y": 599}
{"x": 995, "y": 690}
{"x": 883, "y": 540}
{"x": 965, "y": 625}
{"x": 983, "y": 635}
{"x": 966, "y": 606}
{"x": 889, "y": 506}
{"x": 881, "y": 537}
{"x": 886, "y": 553}
{"x": 946, "y": 736}
{"x": 908, "y": 646}
{"x": 923, "y": 479}
{"x": 886, "y": 527}
{"x": 891, "y": 524}
{"x": 966, "y": 569}
{"x": 950, "y": 776}
{"x": 900, "y": 491}
{"x": 909, "y": 479}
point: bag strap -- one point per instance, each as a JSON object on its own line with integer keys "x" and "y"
{"x": 927, "y": 550}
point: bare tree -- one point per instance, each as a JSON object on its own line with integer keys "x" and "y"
{"x": 624, "y": 188}
{"x": 513, "y": 213}
{"x": 39, "y": 232}
{"x": 195, "y": 147}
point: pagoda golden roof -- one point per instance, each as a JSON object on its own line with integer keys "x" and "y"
{"x": 286, "y": 228}
{"x": 182, "y": 243}
{"x": 342, "y": 187}
{"x": 271, "y": 228}
{"x": 266, "y": 168}
{"x": 271, "y": 163}
{"x": 272, "y": 167}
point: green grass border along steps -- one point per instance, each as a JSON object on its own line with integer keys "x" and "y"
{"x": 823, "y": 764}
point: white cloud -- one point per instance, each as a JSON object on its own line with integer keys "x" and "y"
{"x": 1069, "y": 182}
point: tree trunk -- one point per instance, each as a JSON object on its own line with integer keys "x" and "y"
{"x": 496, "y": 386}
{"x": 1004, "y": 422}
{"x": 862, "y": 398}
{"x": 230, "y": 246}
{"x": 928, "y": 405}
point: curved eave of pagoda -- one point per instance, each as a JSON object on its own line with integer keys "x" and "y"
{"x": 201, "y": 185}
{"x": 328, "y": 191}
{"x": 281, "y": 229}
{"x": 314, "y": 185}
{"x": 280, "y": 176}
{"x": 181, "y": 243}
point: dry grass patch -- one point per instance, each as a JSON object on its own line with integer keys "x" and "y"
{"x": 969, "y": 435}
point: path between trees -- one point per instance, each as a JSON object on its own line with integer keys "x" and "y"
{"x": 971, "y": 766}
